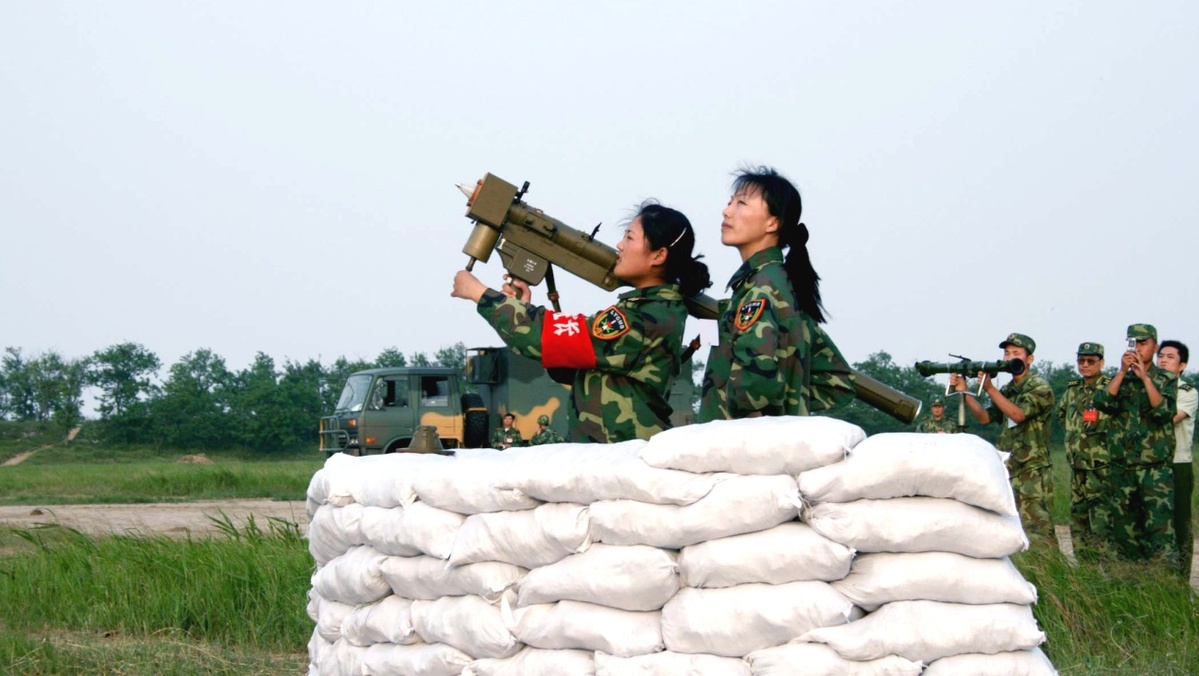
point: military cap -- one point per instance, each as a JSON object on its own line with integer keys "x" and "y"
{"x": 1020, "y": 340}
{"x": 543, "y": 420}
{"x": 1142, "y": 331}
{"x": 1090, "y": 348}
{"x": 937, "y": 401}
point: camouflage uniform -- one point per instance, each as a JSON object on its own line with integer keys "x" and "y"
{"x": 772, "y": 358}
{"x": 503, "y": 437}
{"x": 545, "y": 435}
{"x": 1141, "y": 444}
{"x": 1087, "y": 455}
{"x": 1028, "y": 443}
{"x": 632, "y": 354}
{"x": 930, "y": 425}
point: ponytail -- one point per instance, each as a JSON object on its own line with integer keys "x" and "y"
{"x": 669, "y": 229}
{"x": 784, "y": 203}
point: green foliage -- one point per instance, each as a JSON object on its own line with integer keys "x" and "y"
{"x": 44, "y": 388}
{"x": 245, "y": 589}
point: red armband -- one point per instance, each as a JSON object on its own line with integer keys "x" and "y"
{"x": 565, "y": 342}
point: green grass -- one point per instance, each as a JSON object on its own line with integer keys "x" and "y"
{"x": 155, "y": 480}
{"x": 1112, "y": 617}
{"x": 234, "y": 603}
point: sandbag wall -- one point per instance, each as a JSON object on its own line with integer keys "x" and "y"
{"x": 765, "y": 546}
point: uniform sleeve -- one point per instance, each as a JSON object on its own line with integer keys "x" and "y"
{"x": 832, "y": 379}
{"x": 1105, "y": 402}
{"x": 1059, "y": 411}
{"x": 1036, "y": 400}
{"x": 1167, "y": 386}
{"x": 755, "y": 379}
{"x": 518, "y": 325}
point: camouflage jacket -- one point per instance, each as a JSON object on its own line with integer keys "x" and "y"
{"x": 1140, "y": 434}
{"x": 1086, "y": 426}
{"x": 1028, "y": 441}
{"x": 635, "y": 346}
{"x": 772, "y": 359}
{"x": 503, "y": 437}
{"x": 930, "y": 425}
{"x": 546, "y": 436}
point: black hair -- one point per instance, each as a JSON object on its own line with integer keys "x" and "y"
{"x": 1183, "y": 352}
{"x": 783, "y": 201}
{"x": 669, "y": 229}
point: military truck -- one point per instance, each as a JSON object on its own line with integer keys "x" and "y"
{"x": 380, "y": 409}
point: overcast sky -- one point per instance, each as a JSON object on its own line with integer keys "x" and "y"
{"x": 279, "y": 177}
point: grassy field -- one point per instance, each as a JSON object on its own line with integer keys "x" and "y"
{"x": 235, "y": 603}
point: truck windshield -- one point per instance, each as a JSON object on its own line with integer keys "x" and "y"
{"x": 354, "y": 393}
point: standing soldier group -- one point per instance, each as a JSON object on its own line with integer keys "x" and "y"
{"x": 1128, "y": 444}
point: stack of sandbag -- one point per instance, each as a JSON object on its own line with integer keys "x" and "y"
{"x": 682, "y": 555}
{"x": 933, "y": 521}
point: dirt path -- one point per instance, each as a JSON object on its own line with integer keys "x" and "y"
{"x": 166, "y": 518}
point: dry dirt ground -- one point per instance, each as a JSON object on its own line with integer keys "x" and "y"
{"x": 151, "y": 519}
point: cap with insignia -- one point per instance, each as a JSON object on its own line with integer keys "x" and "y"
{"x": 1090, "y": 348}
{"x": 937, "y": 401}
{"x": 1142, "y": 331}
{"x": 1020, "y": 340}
{"x": 543, "y": 420}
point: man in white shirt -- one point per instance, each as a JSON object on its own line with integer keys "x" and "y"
{"x": 1172, "y": 356}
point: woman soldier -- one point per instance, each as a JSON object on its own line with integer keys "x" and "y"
{"x": 773, "y": 358}
{"x": 624, "y": 358}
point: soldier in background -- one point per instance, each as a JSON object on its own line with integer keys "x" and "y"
{"x": 545, "y": 433}
{"x": 936, "y": 422}
{"x": 1141, "y": 400}
{"x": 1023, "y": 407}
{"x": 1086, "y": 449}
{"x": 506, "y": 436}
{"x": 1172, "y": 356}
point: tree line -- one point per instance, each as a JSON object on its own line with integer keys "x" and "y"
{"x": 201, "y": 404}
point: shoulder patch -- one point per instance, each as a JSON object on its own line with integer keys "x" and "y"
{"x": 1185, "y": 387}
{"x": 749, "y": 313}
{"x": 610, "y": 324}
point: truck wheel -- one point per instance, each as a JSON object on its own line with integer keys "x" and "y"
{"x": 476, "y": 423}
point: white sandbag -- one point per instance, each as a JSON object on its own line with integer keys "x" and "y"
{"x": 880, "y": 578}
{"x": 535, "y": 662}
{"x": 353, "y": 577}
{"x": 767, "y": 445}
{"x": 341, "y": 659}
{"x": 587, "y": 473}
{"x": 330, "y": 615}
{"x": 669, "y": 664}
{"x": 1020, "y": 663}
{"x": 790, "y": 552}
{"x": 918, "y": 525}
{"x": 628, "y": 578}
{"x": 385, "y": 659}
{"x": 468, "y": 623}
{"x": 384, "y": 480}
{"x": 333, "y": 530}
{"x": 411, "y": 531}
{"x": 964, "y": 467}
{"x": 527, "y": 538}
{"x": 386, "y": 621}
{"x": 474, "y": 481}
{"x": 930, "y": 630}
{"x": 815, "y": 659}
{"x": 318, "y": 647}
{"x": 742, "y": 504}
{"x": 428, "y": 579}
{"x": 738, "y": 620}
{"x": 573, "y": 625}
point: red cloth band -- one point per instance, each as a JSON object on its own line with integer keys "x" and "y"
{"x": 565, "y": 342}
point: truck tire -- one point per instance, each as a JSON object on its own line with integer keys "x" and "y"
{"x": 476, "y": 422}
